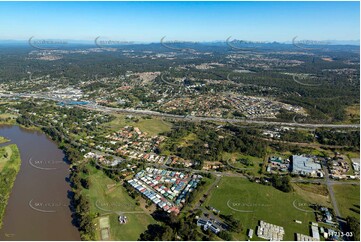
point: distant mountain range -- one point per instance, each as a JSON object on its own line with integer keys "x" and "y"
{"x": 217, "y": 42}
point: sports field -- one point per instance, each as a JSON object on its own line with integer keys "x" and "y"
{"x": 250, "y": 202}
{"x": 348, "y": 200}
{"x": 109, "y": 198}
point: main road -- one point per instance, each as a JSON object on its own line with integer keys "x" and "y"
{"x": 95, "y": 107}
{"x": 197, "y": 118}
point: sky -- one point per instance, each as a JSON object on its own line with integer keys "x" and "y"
{"x": 180, "y": 21}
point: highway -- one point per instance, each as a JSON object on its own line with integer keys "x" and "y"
{"x": 196, "y": 118}
{"x": 95, "y": 107}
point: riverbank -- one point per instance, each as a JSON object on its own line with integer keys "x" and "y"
{"x": 7, "y": 118}
{"x": 3, "y": 140}
{"x": 9, "y": 167}
{"x": 39, "y": 200}
{"x": 30, "y": 128}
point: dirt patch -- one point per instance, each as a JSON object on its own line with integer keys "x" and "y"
{"x": 314, "y": 188}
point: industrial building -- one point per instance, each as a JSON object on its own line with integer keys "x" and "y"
{"x": 207, "y": 224}
{"x": 270, "y": 231}
{"x": 306, "y": 166}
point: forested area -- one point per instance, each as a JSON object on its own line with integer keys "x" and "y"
{"x": 211, "y": 143}
{"x": 330, "y": 86}
{"x": 339, "y": 137}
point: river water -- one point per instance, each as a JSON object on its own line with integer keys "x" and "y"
{"x": 38, "y": 207}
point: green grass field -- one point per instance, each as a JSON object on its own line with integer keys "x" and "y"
{"x": 9, "y": 167}
{"x": 109, "y": 198}
{"x": 5, "y": 156}
{"x": 237, "y": 195}
{"x": 348, "y": 199}
{"x": 152, "y": 126}
{"x": 353, "y": 113}
{"x": 233, "y": 160}
{"x": 7, "y": 118}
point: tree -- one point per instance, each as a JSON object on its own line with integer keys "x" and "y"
{"x": 85, "y": 183}
{"x": 354, "y": 226}
{"x": 282, "y": 183}
{"x": 233, "y": 224}
{"x": 225, "y": 235}
{"x": 153, "y": 232}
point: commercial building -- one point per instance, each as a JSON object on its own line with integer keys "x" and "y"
{"x": 306, "y": 166}
{"x": 250, "y": 233}
{"x": 315, "y": 233}
{"x": 208, "y": 224}
{"x": 270, "y": 231}
{"x": 302, "y": 237}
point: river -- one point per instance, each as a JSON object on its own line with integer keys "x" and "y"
{"x": 38, "y": 207}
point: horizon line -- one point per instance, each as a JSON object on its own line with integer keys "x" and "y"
{"x": 133, "y": 42}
